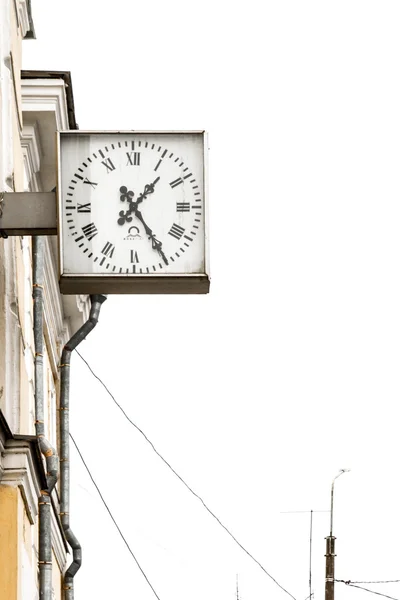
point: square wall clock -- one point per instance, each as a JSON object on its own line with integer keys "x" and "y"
{"x": 132, "y": 212}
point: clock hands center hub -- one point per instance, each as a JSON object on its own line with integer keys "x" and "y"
{"x": 125, "y": 216}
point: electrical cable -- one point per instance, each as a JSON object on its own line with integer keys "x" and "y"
{"x": 182, "y": 480}
{"x": 111, "y": 515}
{"x": 386, "y": 581}
{"x": 365, "y": 589}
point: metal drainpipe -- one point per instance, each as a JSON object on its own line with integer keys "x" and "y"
{"x": 45, "y": 546}
{"x": 97, "y": 300}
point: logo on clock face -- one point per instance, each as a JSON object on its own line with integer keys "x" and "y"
{"x": 133, "y": 233}
{"x": 134, "y": 188}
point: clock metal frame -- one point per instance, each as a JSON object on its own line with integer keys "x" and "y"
{"x": 132, "y": 283}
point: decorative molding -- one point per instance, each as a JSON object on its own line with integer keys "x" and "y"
{"x": 46, "y": 95}
{"x": 23, "y": 17}
{"x": 18, "y": 470}
{"x": 66, "y": 77}
{"x": 31, "y": 148}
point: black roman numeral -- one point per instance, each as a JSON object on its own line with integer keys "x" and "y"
{"x": 92, "y": 183}
{"x": 108, "y": 249}
{"x": 176, "y": 182}
{"x": 108, "y": 163}
{"x": 135, "y": 160}
{"x": 84, "y": 208}
{"x": 183, "y": 206}
{"x": 134, "y": 256}
{"x": 90, "y": 230}
{"x": 176, "y": 231}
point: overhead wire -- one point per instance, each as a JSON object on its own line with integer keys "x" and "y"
{"x": 183, "y": 481}
{"x": 112, "y": 517}
{"x": 365, "y": 589}
{"x": 386, "y": 581}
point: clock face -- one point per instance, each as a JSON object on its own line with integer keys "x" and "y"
{"x": 132, "y": 203}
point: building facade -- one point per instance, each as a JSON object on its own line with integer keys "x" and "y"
{"x": 33, "y": 106}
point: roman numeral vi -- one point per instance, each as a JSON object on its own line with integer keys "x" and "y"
{"x": 134, "y": 256}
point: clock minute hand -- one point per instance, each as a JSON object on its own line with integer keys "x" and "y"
{"x": 156, "y": 244}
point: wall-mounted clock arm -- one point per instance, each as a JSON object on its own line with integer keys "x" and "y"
{"x": 28, "y": 213}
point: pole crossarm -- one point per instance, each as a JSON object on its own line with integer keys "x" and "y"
{"x": 28, "y": 213}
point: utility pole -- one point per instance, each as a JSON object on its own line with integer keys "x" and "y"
{"x": 310, "y": 569}
{"x": 311, "y": 512}
{"x": 330, "y": 568}
{"x": 330, "y": 551}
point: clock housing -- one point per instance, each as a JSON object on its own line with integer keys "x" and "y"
{"x": 132, "y": 212}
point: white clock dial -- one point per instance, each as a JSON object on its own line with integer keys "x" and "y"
{"x": 133, "y": 203}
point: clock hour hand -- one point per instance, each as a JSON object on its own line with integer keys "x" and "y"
{"x": 155, "y": 243}
{"x": 148, "y": 189}
{"x": 125, "y": 195}
{"x": 125, "y": 216}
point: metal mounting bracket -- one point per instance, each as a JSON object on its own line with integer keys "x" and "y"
{"x": 28, "y": 213}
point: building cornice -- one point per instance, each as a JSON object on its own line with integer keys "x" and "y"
{"x": 21, "y": 465}
{"x": 46, "y": 95}
{"x": 19, "y": 471}
{"x": 49, "y": 76}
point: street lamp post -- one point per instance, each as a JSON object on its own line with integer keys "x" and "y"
{"x": 330, "y": 550}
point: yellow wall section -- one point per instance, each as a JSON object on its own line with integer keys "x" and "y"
{"x": 9, "y": 542}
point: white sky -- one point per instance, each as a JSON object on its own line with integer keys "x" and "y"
{"x": 289, "y": 370}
